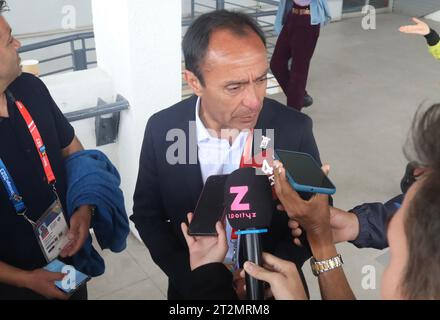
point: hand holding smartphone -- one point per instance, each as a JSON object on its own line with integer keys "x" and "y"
{"x": 210, "y": 207}
{"x": 74, "y": 279}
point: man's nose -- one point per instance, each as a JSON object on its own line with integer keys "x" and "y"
{"x": 251, "y": 99}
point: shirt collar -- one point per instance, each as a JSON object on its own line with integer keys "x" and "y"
{"x": 203, "y": 134}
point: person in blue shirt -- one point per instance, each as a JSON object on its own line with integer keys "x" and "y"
{"x": 301, "y": 21}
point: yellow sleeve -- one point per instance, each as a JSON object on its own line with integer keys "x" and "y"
{"x": 435, "y": 51}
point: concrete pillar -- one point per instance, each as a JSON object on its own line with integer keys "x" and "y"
{"x": 138, "y": 43}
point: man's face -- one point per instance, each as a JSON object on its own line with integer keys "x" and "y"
{"x": 9, "y": 60}
{"x": 235, "y": 73}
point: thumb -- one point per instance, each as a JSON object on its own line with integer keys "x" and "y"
{"x": 326, "y": 169}
{"x": 416, "y": 20}
{"x": 257, "y": 272}
{"x": 56, "y": 276}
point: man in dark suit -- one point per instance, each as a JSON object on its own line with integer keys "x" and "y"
{"x": 226, "y": 66}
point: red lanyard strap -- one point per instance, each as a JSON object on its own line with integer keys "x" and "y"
{"x": 39, "y": 145}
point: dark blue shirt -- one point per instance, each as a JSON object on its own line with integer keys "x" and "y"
{"x": 18, "y": 244}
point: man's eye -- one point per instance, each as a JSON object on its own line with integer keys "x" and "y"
{"x": 262, "y": 80}
{"x": 233, "y": 88}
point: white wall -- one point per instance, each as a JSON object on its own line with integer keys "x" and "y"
{"x": 139, "y": 46}
{"x": 33, "y": 17}
{"x": 79, "y": 90}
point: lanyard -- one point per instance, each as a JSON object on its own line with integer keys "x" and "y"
{"x": 38, "y": 141}
{"x": 5, "y": 176}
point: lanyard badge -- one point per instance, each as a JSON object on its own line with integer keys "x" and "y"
{"x": 51, "y": 231}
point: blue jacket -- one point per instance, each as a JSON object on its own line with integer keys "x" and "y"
{"x": 319, "y": 11}
{"x": 93, "y": 180}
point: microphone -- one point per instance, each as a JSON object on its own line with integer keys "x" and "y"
{"x": 248, "y": 205}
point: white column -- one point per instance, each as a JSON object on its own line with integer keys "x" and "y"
{"x": 138, "y": 43}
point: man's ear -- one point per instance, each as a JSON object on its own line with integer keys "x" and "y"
{"x": 193, "y": 82}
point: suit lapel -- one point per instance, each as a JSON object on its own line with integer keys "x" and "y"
{"x": 192, "y": 172}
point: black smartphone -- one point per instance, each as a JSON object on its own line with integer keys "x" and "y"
{"x": 210, "y": 207}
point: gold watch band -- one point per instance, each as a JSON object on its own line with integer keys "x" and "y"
{"x": 322, "y": 266}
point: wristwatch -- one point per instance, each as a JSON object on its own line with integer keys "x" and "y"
{"x": 319, "y": 267}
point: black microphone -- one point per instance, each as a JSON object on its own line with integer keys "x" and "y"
{"x": 248, "y": 203}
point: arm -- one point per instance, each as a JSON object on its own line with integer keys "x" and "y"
{"x": 72, "y": 148}
{"x": 332, "y": 284}
{"x": 373, "y": 221}
{"x": 423, "y": 29}
{"x": 314, "y": 216}
{"x": 70, "y": 144}
{"x": 151, "y": 222}
{"x": 433, "y": 40}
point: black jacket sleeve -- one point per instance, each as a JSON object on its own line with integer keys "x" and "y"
{"x": 212, "y": 282}
{"x": 151, "y": 221}
{"x": 432, "y": 38}
{"x": 373, "y": 222}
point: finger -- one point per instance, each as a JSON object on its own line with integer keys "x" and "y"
{"x": 285, "y": 185}
{"x": 236, "y": 275}
{"x": 222, "y": 239}
{"x": 297, "y": 242}
{"x": 417, "y": 20}
{"x": 189, "y": 240}
{"x": 189, "y": 216}
{"x": 286, "y": 193}
{"x": 277, "y": 164}
{"x": 55, "y": 276}
{"x": 277, "y": 264}
{"x": 296, "y": 233}
{"x": 56, "y": 293}
{"x": 258, "y": 272}
{"x": 280, "y": 207}
{"x": 74, "y": 229}
{"x": 326, "y": 169}
{"x": 83, "y": 234}
{"x": 293, "y": 224}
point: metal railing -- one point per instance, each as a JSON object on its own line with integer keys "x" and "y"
{"x": 107, "y": 117}
{"x": 78, "y": 55}
{"x": 260, "y": 10}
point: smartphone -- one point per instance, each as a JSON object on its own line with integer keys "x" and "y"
{"x": 304, "y": 173}
{"x": 74, "y": 279}
{"x": 210, "y": 207}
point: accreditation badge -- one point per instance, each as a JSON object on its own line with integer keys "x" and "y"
{"x": 51, "y": 231}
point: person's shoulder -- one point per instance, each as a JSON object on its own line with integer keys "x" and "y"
{"x": 285, "y": 114}
{"x": 26, "y": 83}
{"x": 26, "y": 79}
{"x": 174, "y": 115}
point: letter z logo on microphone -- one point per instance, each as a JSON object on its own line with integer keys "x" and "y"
{"x": 241, "y": 193}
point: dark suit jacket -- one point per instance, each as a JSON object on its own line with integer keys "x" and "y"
{"x": 165, "y": 193}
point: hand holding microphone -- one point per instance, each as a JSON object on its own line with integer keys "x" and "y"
{"x": 248, "y": 201}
